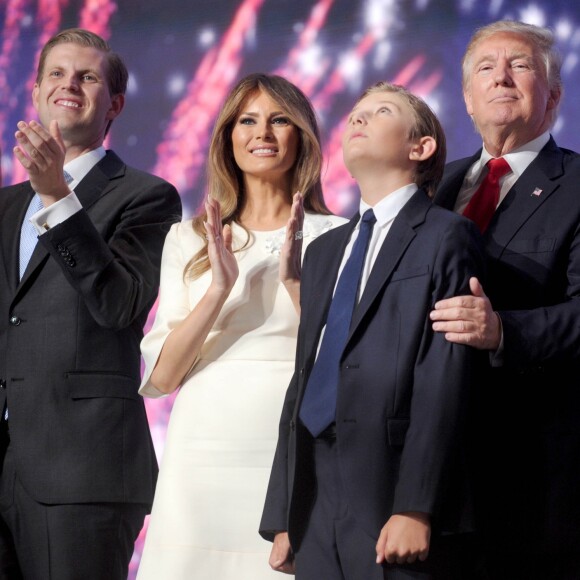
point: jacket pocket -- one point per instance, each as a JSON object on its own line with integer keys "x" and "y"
{"x": 534, "y": 246}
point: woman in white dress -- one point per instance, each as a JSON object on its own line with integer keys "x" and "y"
{"x": 225, "y": 334}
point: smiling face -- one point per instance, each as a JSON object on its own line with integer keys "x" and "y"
{"x": 507, "y": 91}
{"x": 265, "y": 142}
{"x": 74, "y": 91}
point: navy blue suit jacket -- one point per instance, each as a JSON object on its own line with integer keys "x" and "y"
{"x": 403, "y": 390}
{"x": 529, "y": 412}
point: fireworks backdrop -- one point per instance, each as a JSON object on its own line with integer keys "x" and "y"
{"x": 183, "y": 57}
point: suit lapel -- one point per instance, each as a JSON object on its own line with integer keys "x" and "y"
{"x": 325, "y": 281}
{"x": 14, "y": 212}
{"x": 100, "y": 180}
{"x": 531, "y": 190}
{"x": 396, "y": 243}
{"x": 452, "y": 181}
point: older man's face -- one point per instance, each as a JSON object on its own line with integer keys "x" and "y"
{"x": 508, "y": 90}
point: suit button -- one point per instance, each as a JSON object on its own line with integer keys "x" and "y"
{"x": 2, "y": 384}
{"x": 15, "y": 321}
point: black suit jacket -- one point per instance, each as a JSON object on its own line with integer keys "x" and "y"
{"x": 529, "y": 413}
{"x": 403, "y": 390}
{"x": 70, "y": 333}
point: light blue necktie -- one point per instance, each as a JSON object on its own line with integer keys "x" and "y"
{"x": 318, "y": 407}
{"x": 28, "y": 233}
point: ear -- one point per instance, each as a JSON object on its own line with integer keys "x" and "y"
{"x": 553, "y": 99}
{"x": 117, "y": 104}
{"x": 423, "y": 149}
{"x": 35, "y": 91}
{"x": 467, "y": 100}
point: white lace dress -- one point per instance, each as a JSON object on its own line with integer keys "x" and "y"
{"x": 224, "y": 423}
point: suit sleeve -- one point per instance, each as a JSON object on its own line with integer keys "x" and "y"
{"x": 174, "y": 301}
{"x": 442, "y": 381}
{"x": 550, "y": 333}
{"x": 112, "y": 258}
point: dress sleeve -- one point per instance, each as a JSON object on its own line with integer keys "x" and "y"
{"x": 173, "y": 304}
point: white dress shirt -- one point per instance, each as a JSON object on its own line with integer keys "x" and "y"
{"x": 518, "y": 160}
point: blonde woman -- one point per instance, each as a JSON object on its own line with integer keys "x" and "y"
{"x": 225, "y": 333}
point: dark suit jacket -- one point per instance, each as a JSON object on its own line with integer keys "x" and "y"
{"x": 403, "y": 389}
{"x": 530, "y": 410}
{"x": 70, "y": 334}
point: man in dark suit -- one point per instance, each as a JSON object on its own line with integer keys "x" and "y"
{"x": 78, "y": 467}
{"x": 381, "y": 491}
{"x": 527, "y": 318}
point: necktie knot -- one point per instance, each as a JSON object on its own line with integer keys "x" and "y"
{"x": 498, "y": 167}
{"x": 369, "y": 217}
{"x": 482, "y": 205}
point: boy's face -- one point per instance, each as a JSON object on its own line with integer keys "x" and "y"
{"x": 377, "y": 134}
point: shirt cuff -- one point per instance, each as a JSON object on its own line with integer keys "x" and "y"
{"x": 56, "y": 213}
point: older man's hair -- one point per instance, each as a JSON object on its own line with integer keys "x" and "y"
{"x": 541, "y": 38}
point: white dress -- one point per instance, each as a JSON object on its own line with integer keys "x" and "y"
{"x": 223, "y": 427}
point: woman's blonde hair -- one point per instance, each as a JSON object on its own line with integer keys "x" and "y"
{"x": 225, "y": 179}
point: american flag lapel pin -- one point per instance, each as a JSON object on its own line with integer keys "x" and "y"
{"x": 537, "y": 191}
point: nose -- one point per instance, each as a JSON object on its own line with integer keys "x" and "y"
{"x": 502, "y": 74}
{"x": 71, "y": 82}
{"x": 358, "y": 118}
{"x": 264, "y": 130}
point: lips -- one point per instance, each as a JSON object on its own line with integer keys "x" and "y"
{"x": 264, "y": 151}
{"x": 503, "y": 98}
{"x": 67, "y": 103}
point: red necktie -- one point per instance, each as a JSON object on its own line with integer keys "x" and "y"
{"x": 484, "y": 201}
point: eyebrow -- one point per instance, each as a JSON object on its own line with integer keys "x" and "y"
{"x": 514, "y": 56}
{"x": 382, "y": 102}
{"x": 256, "y": 114}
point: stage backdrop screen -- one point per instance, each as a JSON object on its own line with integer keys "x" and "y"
{"x": 183, "y": 57}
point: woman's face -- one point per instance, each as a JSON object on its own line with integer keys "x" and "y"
{"x": 265, "y": 142}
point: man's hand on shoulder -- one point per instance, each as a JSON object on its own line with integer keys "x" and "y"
{"x": 469, "y": 319}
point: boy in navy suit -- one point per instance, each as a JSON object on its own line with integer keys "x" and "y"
{"x": 379, "y": 489}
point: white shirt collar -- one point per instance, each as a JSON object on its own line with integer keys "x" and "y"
{"x": 387, "y": 209}
{"x": 519, "y": 158}
{"x": 80, "y": 166}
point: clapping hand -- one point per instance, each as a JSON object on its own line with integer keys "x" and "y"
{"x": 42, "y": 154}
{"x": 291, "y": 253}
{"x": 224, "y": 266}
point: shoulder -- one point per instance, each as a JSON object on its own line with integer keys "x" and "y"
{"x": 114, "y": 166}
{"x": 9, "y": 191}
{"x": 317, "y": 224}
{"x": 183, "y": 234}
